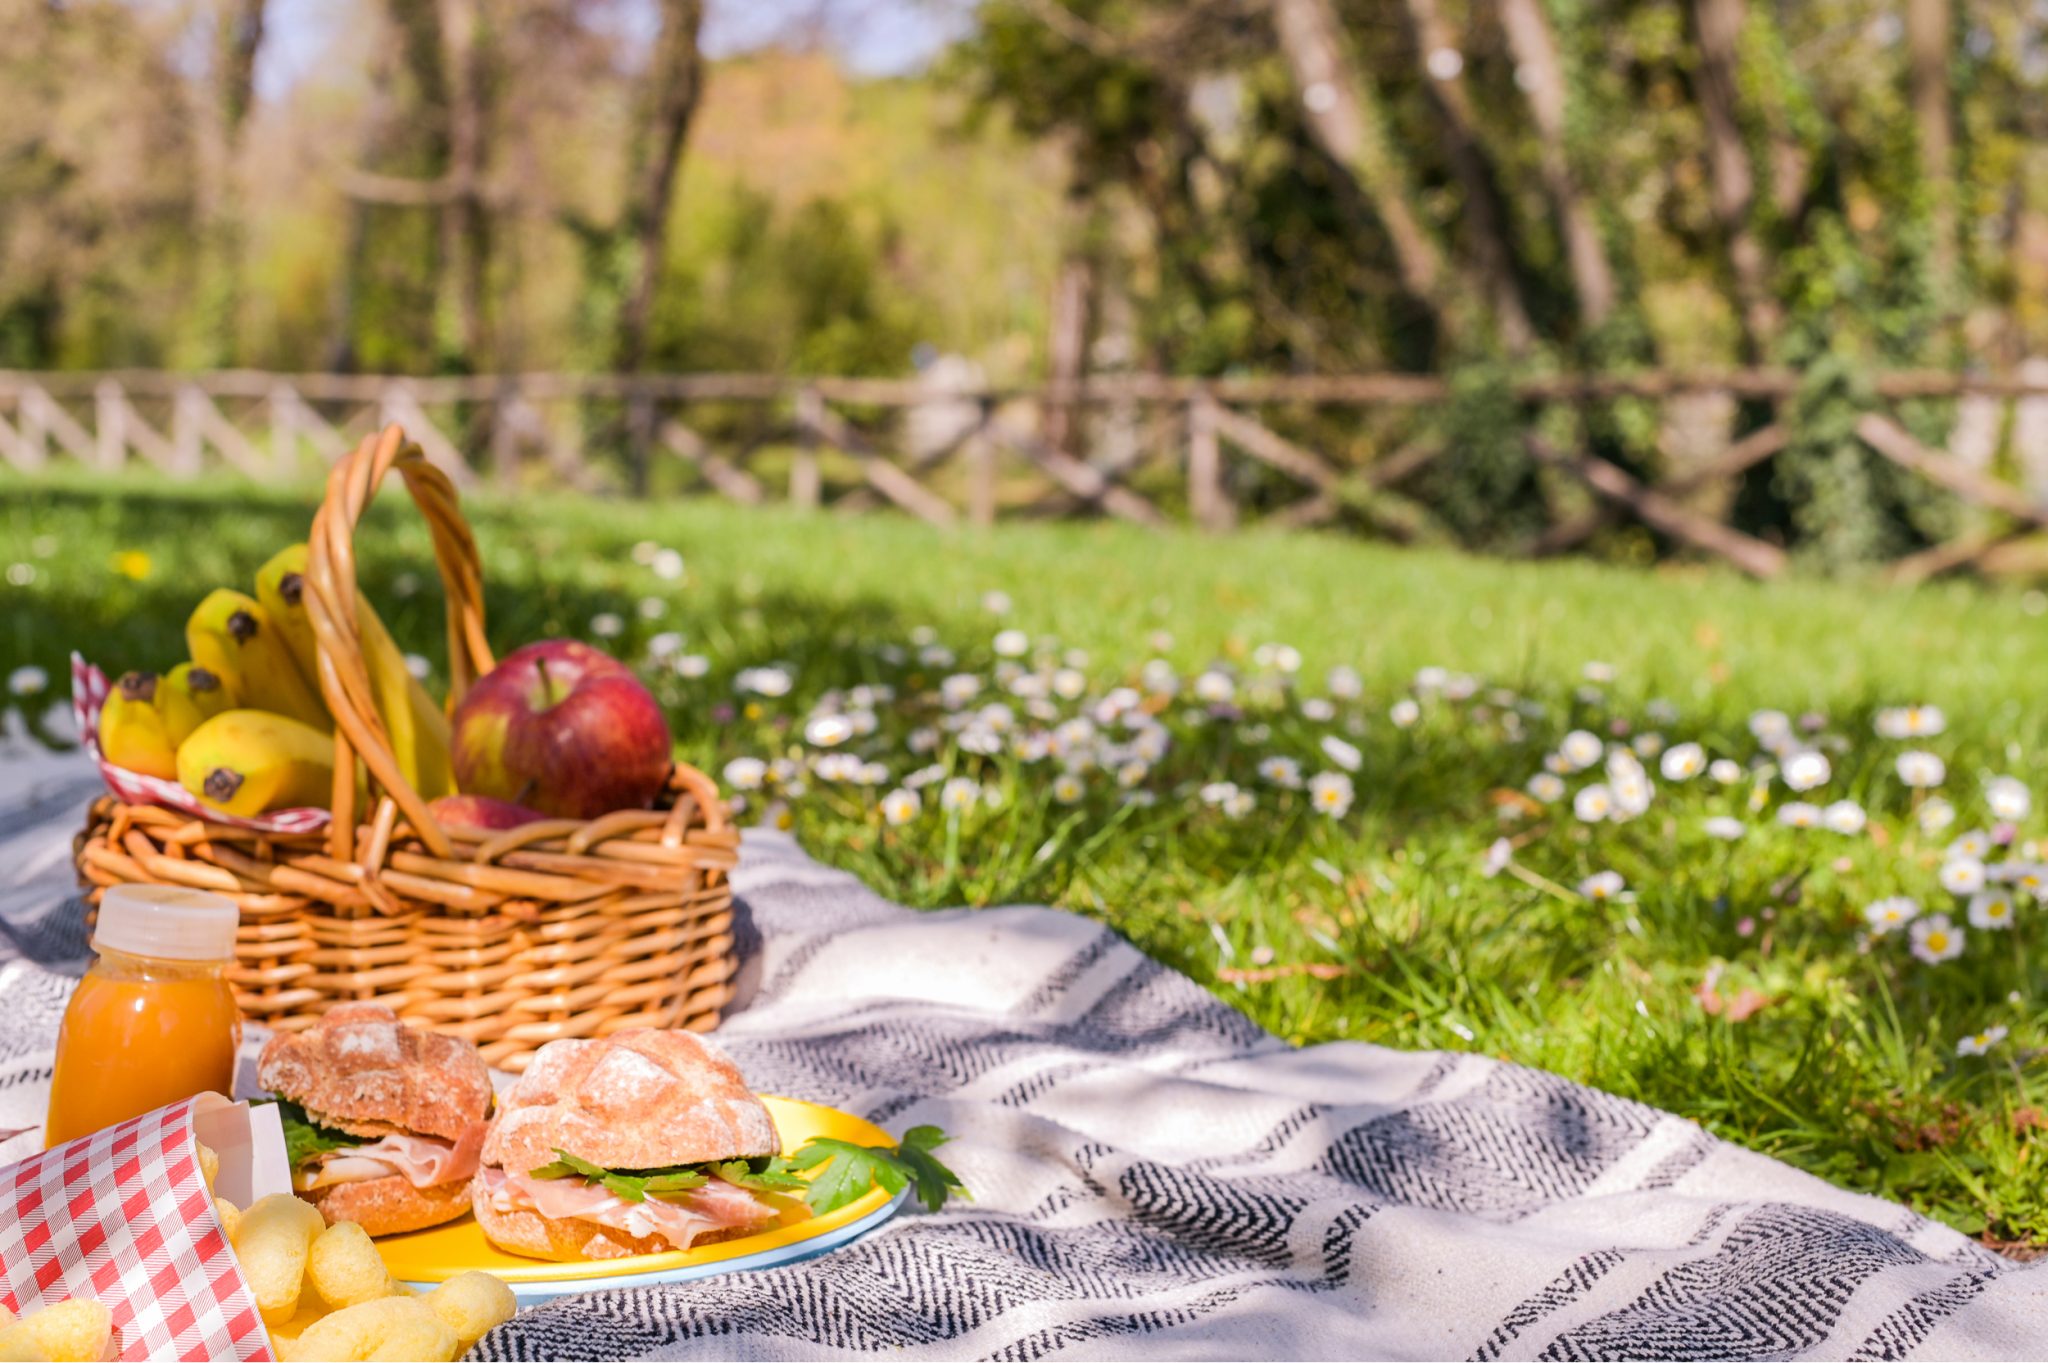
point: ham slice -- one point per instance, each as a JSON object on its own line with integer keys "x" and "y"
{"x": 421, "y": 1160}
{"x": 678, "y": 1219}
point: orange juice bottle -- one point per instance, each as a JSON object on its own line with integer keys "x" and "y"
{"x": 154, "y": 1019}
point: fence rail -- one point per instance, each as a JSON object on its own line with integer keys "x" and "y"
{"x": 1143, "y": 448}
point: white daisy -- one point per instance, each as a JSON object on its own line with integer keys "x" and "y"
{"x": 1546, "y": 786}
{"x": 1845, "y": 816}
{"x": 1910, "y": 721}
{"x": 1404, "y": 713}
{"x": 1215, "y": 688}
{"x": 2008, "y": 798}
{"x": 28, "y": 680}
{"x": 1593, "y": 804}
{"x": 667, "y": 565}
{"x": 1284, "y": 772}
{"x": 746, "y": 773}
{"x": 1603, "y": 885}
{"x": 1725, "y": 828}
{"x": 1581, "y": 749}
{"x": 1805, "y": 770}
{"x": 1240, "y": 804}
{"x": 1683, "y": 761}
{"x": 828, "y": 731}
{"x": 1889, "y": 915}
{"x": 1725, "y": 770}
{"x": 763, "y": 681}
{"x": 1770, "y": 727}
{"x": 1921, "y": 770}
{"x": 607, "y": 625}
{"x": 1132, "y": 774}
{"x": 1216, "y": 792}
{"x": 1975, "y": 843}
{"x": 1344, "y": 683}
{"x": 1962, "y": 875}
{"x": 1012, "y": 643}
{"x": 1067, "y": 788}
{"x": 1330, "y": 793}
{"x": 1991, "y": 909}
{"x": 900, "y": 806}
{"x": 1629, "y": 783}
{"x": 1977, "y": 1043}
{"x": 1340, "y": 752}
{"x": 692, "y": 665}
{"x": 958, "y": 795}
{"x": 1936, "y": 939}
{"x": 1799, "y": 814}
{"x": 1498, "y": 854}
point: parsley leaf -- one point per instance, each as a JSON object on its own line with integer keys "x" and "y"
{"x": 304, "y": 1138}
{"x": 765, "y": 1175}
{"x": 935, "y": 1182}
{"x": 628, "y": 1185}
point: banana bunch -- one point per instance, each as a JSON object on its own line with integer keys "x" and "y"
{"x": 243, "y": 725}
{"x": 418, "y": 727}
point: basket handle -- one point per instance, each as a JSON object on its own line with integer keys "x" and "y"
{"x": 337, "y": 633}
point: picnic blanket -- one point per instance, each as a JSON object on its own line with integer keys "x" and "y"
{"x": 1156, "y": 1177}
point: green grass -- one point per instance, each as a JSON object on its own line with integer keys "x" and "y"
{"x": 1851, "y": 1070}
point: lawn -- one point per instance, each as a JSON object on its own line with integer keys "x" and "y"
{"x": 1412, "y": 891}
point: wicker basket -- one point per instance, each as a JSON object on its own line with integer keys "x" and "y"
{"x": 562, "y": 928}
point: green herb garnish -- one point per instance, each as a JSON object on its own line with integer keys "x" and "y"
{"x": 842, "y": 1172}
{"x": 306, "y": 1140}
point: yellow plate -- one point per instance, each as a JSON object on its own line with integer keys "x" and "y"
{"x": 441, "y": 1252}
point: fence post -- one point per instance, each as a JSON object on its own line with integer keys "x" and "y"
{"x": 109, "y": 425}
{"x": 34, "y": 428}
{"x": 284, "y": 430}
{"x": 187, "y": 442}
{"x": 1208, "y": 501}
{"x": 805, "y": 487}
{"x": 981, "y": 467}
{"x": 640, "y": 434}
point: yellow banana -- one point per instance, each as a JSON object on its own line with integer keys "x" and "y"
{"x": 132, "y": 731}
{"x": 418, "y": 727}
{"x": 250, "y": 762}
{"x": 234, "y": 638}
{"x": 189, "y": 695}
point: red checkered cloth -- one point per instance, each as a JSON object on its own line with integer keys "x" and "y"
{"x": 89, "y": 689}
{"x": 123, "y": 1216}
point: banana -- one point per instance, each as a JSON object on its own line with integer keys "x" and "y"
{"x": 132, "y": 729}
{"x": 189, "y": 695}
{"x": 234, "y": 638}
{"x": 249, "y": 762}
{"x": 418, "y": 727}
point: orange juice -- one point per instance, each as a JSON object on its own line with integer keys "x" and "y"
{"x": 154, "y": 1019}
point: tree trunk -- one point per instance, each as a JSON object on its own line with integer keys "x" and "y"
{"x": 1732, "y": 183}
{"x": 465, "y": 221}
{"x": 238, "y": 34}
{"x": 669, "y": 100}
{"x": 1541, "y": 76}
{"x": 1444, "y": 62}
{"x": 1067, "y": 345}
{"x": 1928, "y": 30}
{"x": 1344, "y": 119}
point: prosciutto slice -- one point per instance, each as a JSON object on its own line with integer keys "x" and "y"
{"x": 421, "y": 1160}
{"x": 678, "y": 1219}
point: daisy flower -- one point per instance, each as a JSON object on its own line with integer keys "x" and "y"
{"x": 1889, "y": 915}
{"x": 1341, "y": 753}
{"x": 1910, "y": 721}
{"x": 1331, "y": 793}
{"x": 1629, "y": 783}
{"x": 1977, "y": 1043}
{"x": 27, "y": 681}
{"x": 957, "y": 690}
{"x": 2009, "y": 799}
{"x": 763, "y": 681}
{"x": 1725, "y": 770}
{"x": 691, "y": 665}
{"x": 1800, "y": 814}
{"x": 1603, "y": 885}
{"x": 1215, "y": 688}
{"x": 1404, "y": 713}
{"x": 1805, "y": 770}
{"x": 1683, "y": 761}
{"x": 607, "y": 625}
{"x": 1936, "y": 939}
{"x": 1132, "y": 774}
{"x": 1598, "y": 672}
{"x": 1318, "y": 709}
{"x": 900, "y": 806}
{"x": 1284, "y": 772}
{"x": 1067, "y": 788}
{"x": 1921, "y": 770}
{"x": 1723, "y": 827}
{"x": 1012, "y": 643}
{"x": 828, "y": 731}
{"x": 1770, "y": 727}
{"x": 1991, "y": 909}
{"x": 1592, "y": 804}
{"x": 746, "y": 773}
{"x": 1962, "y": 875}
{"x": 958, "y": 795}
{"x": 1216, "y": 792}
{"x": 1498, "y": 854}
{"x": 667, "y": 565}
{"x": 1546, "y": 786}
{"x": 1580, "y": 749}
{"x": 1845, "y": 816}
{"x": 1239, "y": 804}
{"x": 1344, "y": 683}
{"x": 1975, "y": 843}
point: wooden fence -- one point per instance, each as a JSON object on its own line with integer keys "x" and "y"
{"x": 1142, "y": 448}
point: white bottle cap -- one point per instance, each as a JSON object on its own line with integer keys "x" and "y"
{"x": 169, "y": 922}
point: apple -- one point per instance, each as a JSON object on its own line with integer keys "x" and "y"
{"x": 563, "y": 729}
{"x": 481, "y": 811}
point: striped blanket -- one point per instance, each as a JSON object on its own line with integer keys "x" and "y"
{"x": 1155, "y": 1177}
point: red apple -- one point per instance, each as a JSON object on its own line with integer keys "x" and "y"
{"x": 481, "y": 811}
{"x": 563, "y": 729}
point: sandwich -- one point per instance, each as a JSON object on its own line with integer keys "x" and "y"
{"x": 635, "y": 1143}
{"x": 383, "y": 1122}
